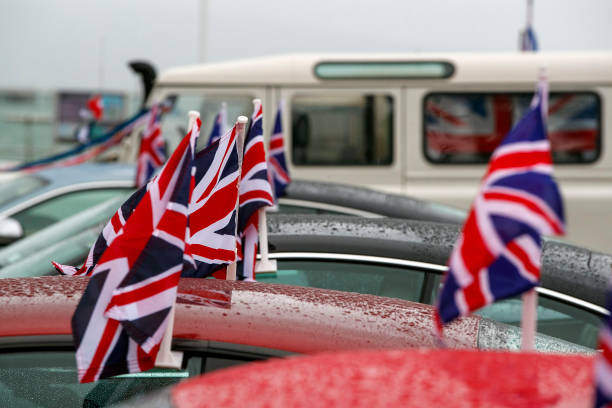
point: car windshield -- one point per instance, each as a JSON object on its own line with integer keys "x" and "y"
{"x": 18, "y": 187}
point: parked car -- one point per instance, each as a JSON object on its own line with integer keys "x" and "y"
{"x": 303, "y": 197}
{"x": 387, "y": 257}
{"x": 37, "y": 365}
{"x": 398, "y": 378}
{"x": 33, "y": 201}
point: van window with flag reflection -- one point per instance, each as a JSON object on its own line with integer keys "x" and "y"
{"x": 342, "y": 130}
{"x": 467, "y": 127}
{"x": 209, "y": 105}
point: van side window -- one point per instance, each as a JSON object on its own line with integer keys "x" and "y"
{"x": 467, "y": 127}
{"x": 341, "y": 130}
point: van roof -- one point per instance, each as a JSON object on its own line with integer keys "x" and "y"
{"x": 477, "y": 68}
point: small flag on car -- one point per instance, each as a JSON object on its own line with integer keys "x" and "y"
{"x": 498, "y": 252}
{"x": 277, "y": 164}
{"x": 123, "y": 313}
{"x": 255, "y": 193}
{"x": 152, "y": 152}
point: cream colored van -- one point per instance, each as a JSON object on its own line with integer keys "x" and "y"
{"x": 419, "y": 124}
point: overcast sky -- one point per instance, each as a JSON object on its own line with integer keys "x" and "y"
{"x": 65, "y": 44}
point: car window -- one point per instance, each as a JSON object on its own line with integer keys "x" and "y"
{"x": 375, "y": 279}
{"x": 555, "y": 317}
{"x": 48, "y": 378}
{"x": 18, "y": 187}
{"x": 467, "y": 127}
{"x": 342, "y": 130}
{"x": 43, "y": 214}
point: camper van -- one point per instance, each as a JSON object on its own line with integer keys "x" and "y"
{"x": 418, "y": 124}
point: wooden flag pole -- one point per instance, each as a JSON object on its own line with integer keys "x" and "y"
{"x": 240, "y": 135}
{"x": 166, "y": 358}
{"x": 528, "y": 320}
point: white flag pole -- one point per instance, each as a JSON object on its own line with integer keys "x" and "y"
{"x": 240, "y": 134}
{"x": 528, "y": 320}
{"x": 166, "y": 358}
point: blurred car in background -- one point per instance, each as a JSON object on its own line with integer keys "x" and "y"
{"x": 256, "y": 321}
{"x": 33, "y": 201}
{"x": 68, "y": 240}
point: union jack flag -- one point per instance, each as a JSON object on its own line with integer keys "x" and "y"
{"x": 476, "y": 123}
{"x": 255, "y": 192}
{"x": 498, "y": 253}
{"x": 212, "y": 209}
{"x": 219, "y": 125}
{"x": 528, "y": 40}
{"x": 123, "y": 313}
{"x": 212, "y": 214}
{"x": 152, "y": 153}
{"x": 603, "y": 362}
{"x": 277, "y": 165}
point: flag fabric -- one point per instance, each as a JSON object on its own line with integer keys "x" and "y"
{"x": 152, "y": 152}
{"x": 212, "y": 209}
{"x": 89, "y": 150}
{"x": 219, "y": 125}
{"x": 120, "y": 320}
{"x": 212, "y": 214}
{"x": 528, "y": 39}
{"x": 277, "y": 164}
{"x": 476, "y": 123}
{"x": 603, "y": 361}
{"x": 498, "y": 253}
{"x": 96, "y": 107}
{"x": 255, "y": 192}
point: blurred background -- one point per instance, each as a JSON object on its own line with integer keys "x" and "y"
{"x": 55, "y": 54}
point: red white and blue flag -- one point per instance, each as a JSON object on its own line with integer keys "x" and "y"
{"x": 123, "y": 313}
{"x": 212, "y": 214}
{"x": 277, "y": 164}
{"x": 219, "y": 125}
{"x": 603, "y": 362}
{"x": 498, "y": 253}
{"x": 212, "y": 209}
{"x": 255, "y": 193}
{"x": 152, "y": 152}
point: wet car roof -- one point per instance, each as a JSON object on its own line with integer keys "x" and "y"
{"x": 567, "y": 269}
{"x": 376, "y": 202}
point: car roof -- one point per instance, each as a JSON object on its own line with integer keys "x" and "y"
{"x": 567, "y": 269}
{"x": 280, "y": 317}
{"x": 469, "y": 68}
{"x": 371, "y": 201}
{"x": 408, "y": 378}
{"x": 94, "y": 174}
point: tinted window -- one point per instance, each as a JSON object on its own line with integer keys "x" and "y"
{"x": 339, "y": 130}
{"x": 467, "y": 127}
{"x": 48, "y": 212}
{"x": 374, "y": 279}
